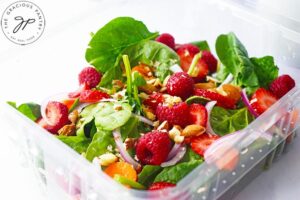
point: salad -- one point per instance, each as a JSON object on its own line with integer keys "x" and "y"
{"x": 147, "y": 109}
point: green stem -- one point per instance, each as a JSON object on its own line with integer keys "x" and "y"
{"x": 129, "y": 182}
{"x": 192, "y": 69}
{"x": 128, "y": 74}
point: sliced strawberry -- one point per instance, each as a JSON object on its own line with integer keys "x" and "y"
{"x": 161, "y": 185}
{"x": 92, "y": 96}
{"x": 261, "y": 100}
{"x": 186, "y": 52}
{"x": 222, "y": 101}
{"x": 203, "y": 70}
{"x": 153, "y": 100}
{"x": 77, "y": 93}
{"x": 210, "y": 60}
{"x": 198, "y": 114}
{"x": 200, "y": 143}
{"x": 43, "y": 124}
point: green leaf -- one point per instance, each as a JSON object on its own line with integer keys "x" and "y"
{"x": 108, "y": 42}
{"x": 175, "y": 173}
{"x": 154, "y": 54}
{"x": 86, "y": 128}
{"x": 130, "y": 129}
{"x": 107, "y": 118}
{"x": 202, "y": 45}
{"x": 78, "y": 143}
{"x": 190, "y": 155}
{"x": 11, "y": 103}
{"x": 234, "y": 57}
{"x": 197, "y": 99}
{"x": 265, "y": 69}
{"x": 128, "y": 182}
{"x": 148, "y": 174}
{"x": 76, "y": 102}
{"x": 225, "y": 121}
{"x": 138, "y": 79}
{"x": 98, "y": 146}
{"x": 31, "y": 110}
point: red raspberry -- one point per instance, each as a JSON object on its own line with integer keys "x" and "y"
{"x": 281, "y": 85}
{"x": 57, "y": 114}
{"x": 210, "y": 60}
{"x": 89, "y": 76}
{"x": 180, "y": 84}
{"x": 166, "y": 39}
{"x": 175, "y": 115}
{"x": 161, "y": 185}
{"x": 153, "y": 100}
{"x": 153, "y": 148}
{"x": 222, "y": 101}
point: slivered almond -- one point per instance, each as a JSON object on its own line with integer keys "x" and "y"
{"x": 208, "y": 85}
{"x": 163, "y": 126}
{"x": 193, "y": 130}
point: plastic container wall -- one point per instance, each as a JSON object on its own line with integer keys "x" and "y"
{"x": 65, "y": 174}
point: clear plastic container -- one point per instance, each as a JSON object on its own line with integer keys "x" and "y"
{"x": 65, "y": 174}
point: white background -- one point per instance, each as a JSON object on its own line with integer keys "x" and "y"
{"x": 26, "y": 83}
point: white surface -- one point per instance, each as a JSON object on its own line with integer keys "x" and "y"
{"x": 282, "y": 181}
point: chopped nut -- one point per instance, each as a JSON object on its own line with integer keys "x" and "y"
{"x": 148, "y": 113}
{"x": 163, "y": 89}
{"x": 107, "y": 159}
{"x": 143, "y": 95}
{"x": 157, "y": 83}
{"x": 156, "y": 124}
{"x": 149, "y": 74}
{"x": 151, "y": 81}
{"x": 118, "y": 83}
{"x": 193, "y": 130}
{"x": 175, "y": 134}
{"x": 166, "y": 80}
{"x": 171, "y": 100}
{"x": 118, "y": 107}
{"x": 67, "y": 130}
{"x": 73, "y": 116}
{"x": 163, "y": 126}
{"x": 130, "y": 143}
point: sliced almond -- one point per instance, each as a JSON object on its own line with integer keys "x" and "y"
{"x": 208, "y": 85}
{"x": 193, "y": 130}
{"x": 163, "y": 126}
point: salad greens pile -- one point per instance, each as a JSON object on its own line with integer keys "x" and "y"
{"x": 109, "y": 121}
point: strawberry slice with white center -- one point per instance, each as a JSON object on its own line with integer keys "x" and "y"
{"x": 198, "y": 114}
{"x": 200, "y": 143}
{"x": 261, "y": 100}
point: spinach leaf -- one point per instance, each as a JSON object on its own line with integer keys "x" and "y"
{"x": 138, "y": 79}
{"x": 107, "y": 118}
{"x": 107, "y": 44}
{"x": 12, "y": 103}
{"x": 175, "y": 173}
{"x": 202, "y": 45}
{"x": 234, "y": 57}
{"x": 78, "y": 143}
{"x": 154, "y": 54}
{"x": 98, "y": 146}
{"x": 190, "y": 155}
{"x": 225, "y": 121}
{"x": 87, "y": 128}
{"x": 148, "y": 174}
{"x": 31, "y": 110}
{"x": 265, "y": 69}
{"x": 128, "y": 182}
{"x": 130, "y": 129}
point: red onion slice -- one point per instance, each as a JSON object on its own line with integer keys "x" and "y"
{"x": 122, "y": 150}
{"x": 176, "y": 158}
{"x": 174, "y": 150}
{"x": 143, "y": 119}
{"x": 209, "y": 106}
{"x": 247, "y": 103}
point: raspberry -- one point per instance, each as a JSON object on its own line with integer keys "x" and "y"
{"x": 89, "y": 76}
{"x": 281, "y": 85}
{"x": 161, "y": 185}
{"x": 166, "y": 39}
{"x": 153, "y": 148}
{"x": 180, "y": 84}
{"x": 153, "y": 100}
{"x": 210, "y": 60}
{"x": 222, "y": 101}
{"x": 175, "y": 115}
